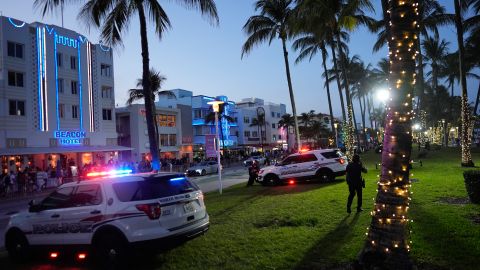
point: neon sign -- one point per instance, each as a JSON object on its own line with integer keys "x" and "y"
{"x": 66, "y": 41}
{"x": 69, "y": 137}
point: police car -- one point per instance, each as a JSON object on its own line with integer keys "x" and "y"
{"x": 108, "y": 215}
{"x": 324, "y": 164}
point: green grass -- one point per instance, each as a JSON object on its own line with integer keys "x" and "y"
{"x": 305, "y": 226}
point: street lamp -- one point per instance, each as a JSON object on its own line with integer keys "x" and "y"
{"x": 383, "y": 95}
{"x": 336, "y": 134}
{"x": 216, "y": 108}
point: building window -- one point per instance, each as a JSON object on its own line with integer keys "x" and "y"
{"x": 164, "y": 120}
{"x": 106, "y": 70}
{"x": 61, "y": 110}
{"x": 273, "y": 114}
{"x": 279, "y": 136}
{"x": 74, "y": 87}
{"x": 254, "y": 134}
{"x": 197, "y": 114}
{"x": 164, "y": 139}
{"x": 246, "y": 133}
{"x": 278, "y": 115}
{"x": 60, "y": 85}
{"x": 16, "y": 107}
{"x": 273, "y": 125}
{"x": 74, "y": 111}
{"x": 172, "y": 139}
{"x": 59, "y": 60}
{"x": 274, "y": 137}
{"x": 246, "y": 119}
{"x": 107, "y": 92}
{"x": 107, "y": 114}
{"x": 15, "y": 79}
{"x": 73, "y": 62}
{"x": 15, "y": 49}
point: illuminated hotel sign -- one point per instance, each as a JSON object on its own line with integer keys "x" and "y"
{"x": 70, "y": 42}
{"x": 69, "y": 137}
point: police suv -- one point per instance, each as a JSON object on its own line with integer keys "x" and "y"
{"x": 323, "y": 165}
{"x": 109, "y": 215}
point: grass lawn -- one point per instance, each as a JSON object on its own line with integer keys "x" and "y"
{"x": 306, "y": 226}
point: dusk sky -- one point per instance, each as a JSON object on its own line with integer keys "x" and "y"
{"x": 206, "y": 59}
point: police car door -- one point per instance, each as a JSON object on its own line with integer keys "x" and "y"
{"x": 46, "y": 223}
{"x": 289, "y": 167}
{"x": 88, "y": 207}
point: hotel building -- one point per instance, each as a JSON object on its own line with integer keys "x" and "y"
{"x": 56, "y": 96}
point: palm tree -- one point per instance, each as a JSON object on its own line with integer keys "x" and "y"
{"x": 435, "y": 51}
{"x": 308, "y": 118}
{"x": 114, "y": 16}
{"x": 466, "y": 117}
{"x": 387, "y": 245}
{"x": 260, "y": 122}
{"x": 431, "y": 16}
{"x": 285, "y": 122}
{"x": 272, "y": 22}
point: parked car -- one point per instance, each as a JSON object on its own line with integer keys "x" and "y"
{"x": 203, "y": 168}
{"x": 324, "y": 165}
{"x": 260, "y": 159}
{"x": 108, "y": 216}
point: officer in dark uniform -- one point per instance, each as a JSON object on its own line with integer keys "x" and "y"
{"x": 355, "y": 182}
{"x": 253, "y": 172}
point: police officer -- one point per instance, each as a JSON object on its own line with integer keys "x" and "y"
{"x": 355, "y": 182}
{"x": 253, "y": 172}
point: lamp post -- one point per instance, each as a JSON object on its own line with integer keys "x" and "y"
{"x": 335, "y": 125}
{"x": 261, "y": 112}
{"x": 216, "y": 108}
{"x": 444, "y": 133}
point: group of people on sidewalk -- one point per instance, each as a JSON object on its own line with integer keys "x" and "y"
{"x": 354, "y": 177}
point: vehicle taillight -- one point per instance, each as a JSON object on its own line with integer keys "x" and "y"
{"x": 153, "y": 210}
{"x": 53, "y": 255}
{"x": 340, "y": 160}
{"x": 291, "y": 182}
{"x": 81, "y": 256}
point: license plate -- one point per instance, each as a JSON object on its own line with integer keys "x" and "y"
{"x": 188, "y": 207}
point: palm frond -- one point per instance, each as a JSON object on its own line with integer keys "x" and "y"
{"x": 158, "y": 16}
{"x": 207, "y": 8}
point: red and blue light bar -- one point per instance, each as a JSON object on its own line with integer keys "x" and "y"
{"x": 109, "y": 173}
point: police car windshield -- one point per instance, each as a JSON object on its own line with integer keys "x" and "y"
{"x": 153, "y": 188}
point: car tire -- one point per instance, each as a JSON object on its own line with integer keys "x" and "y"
{"x": 203, "y": 172}
{"x": 17, "y": 246}
{"x": 324, "y": 176}
{"x": 270, "y": 180}
{"x": 111, "y": 250}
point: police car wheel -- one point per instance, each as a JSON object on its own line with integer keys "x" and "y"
{"x": 270, "y": 180}
{"x": 325, "y": 176}
{"x": 111, "y": 250}
{"x": 204, "y": 172}
{"x": 17, "y": 246}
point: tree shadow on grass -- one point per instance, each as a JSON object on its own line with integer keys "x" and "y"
{"x": 300, "y": 187}
{"x": 443, "y": 242}
{"x": 319, "y": 256}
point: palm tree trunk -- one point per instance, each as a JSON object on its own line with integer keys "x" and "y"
{"x": 324, "y": 59}
{"x": 421, "y": 81}
{"x": 339, "y": 85}
{"x": 387, "y": 244}
{"x": 475, "y": 112}
{"x": 350, "y": 112}
{"x": 290, "y": 90}
{"x": 369, "y": 106}
{"x": 363, "y": 121}
{"x": 466, "y": 117}
{"x": 147, "y": 91}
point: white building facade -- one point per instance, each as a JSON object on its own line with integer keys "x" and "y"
{"x": 268, "y": 136}
{"x": 56, "y": 95}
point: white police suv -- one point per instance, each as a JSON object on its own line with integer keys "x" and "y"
{"x": 109, "y": 215}
{"x": 324, "y": 164}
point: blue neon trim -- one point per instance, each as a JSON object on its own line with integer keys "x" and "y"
{"x": 82, "y": 39}
{"x": 105, "y": 49}
{"x": 40, "y": 111}
{"x": 50, "y": 30}
{"x": 56, "y": 78}
{"x": 80, "y": 86}
{"x": 16, "y": 25}
{"x": 208, "y": 98}
{"x": 178, "y": 179}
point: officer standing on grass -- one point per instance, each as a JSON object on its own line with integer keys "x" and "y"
{"x": 253, "y": 173}
{"x": 355, "y": 182}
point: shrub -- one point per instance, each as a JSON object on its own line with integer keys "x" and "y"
{"x": 472, "y": 184}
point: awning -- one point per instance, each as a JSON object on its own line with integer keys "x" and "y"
{"x": 60, "y": 149}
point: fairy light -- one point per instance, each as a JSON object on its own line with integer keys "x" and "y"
{"x": 394, "y": 186}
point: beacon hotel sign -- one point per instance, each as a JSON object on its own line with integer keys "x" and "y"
{"x": 66, "y": 137}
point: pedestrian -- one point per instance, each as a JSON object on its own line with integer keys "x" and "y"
{"x": 355, "y": 182}
{"x": 253, "y": 173}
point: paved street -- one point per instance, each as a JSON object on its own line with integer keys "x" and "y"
{"x": 208, "y": 183}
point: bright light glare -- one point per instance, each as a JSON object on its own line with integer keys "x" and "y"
{"x": 383, "y": 95}
{"x": 416, "y": 126}
{"x": 112, "y": 172}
